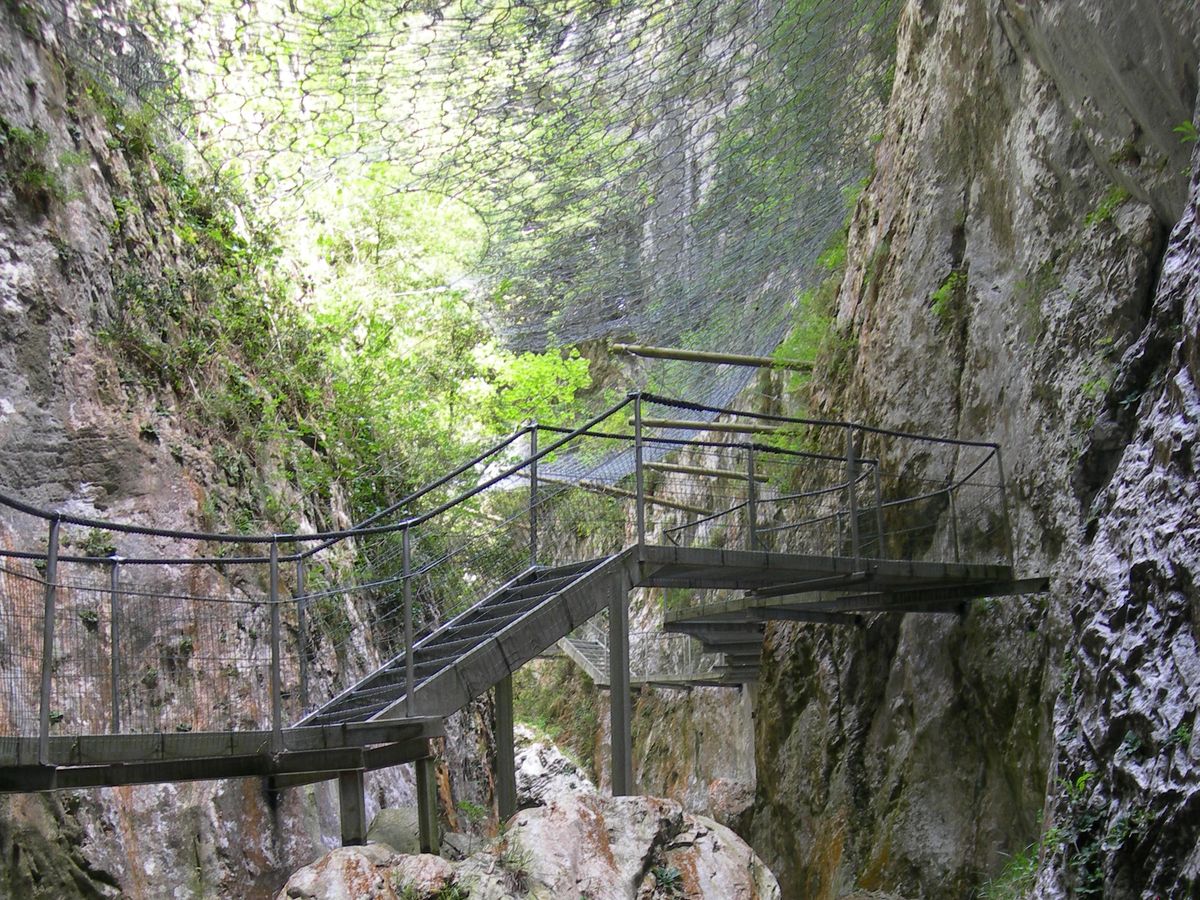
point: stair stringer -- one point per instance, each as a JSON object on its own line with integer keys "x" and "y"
{"x": 520, "y": 641}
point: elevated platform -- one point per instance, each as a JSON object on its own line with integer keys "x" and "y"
{"x": 293, "y": 756}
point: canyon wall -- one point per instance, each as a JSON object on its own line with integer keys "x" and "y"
{"x": 1007, "y": 281}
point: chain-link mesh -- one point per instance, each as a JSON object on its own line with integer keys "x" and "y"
{"x": 667, "y": 172}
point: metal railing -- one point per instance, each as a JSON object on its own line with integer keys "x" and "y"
{"x": 112, "y": 627}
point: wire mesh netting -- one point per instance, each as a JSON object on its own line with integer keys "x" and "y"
{"x": 668, "y": 172}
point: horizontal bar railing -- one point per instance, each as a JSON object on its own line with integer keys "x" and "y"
{"x": 246, "y": 634}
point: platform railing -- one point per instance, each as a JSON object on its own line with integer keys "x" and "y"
{"x": 119, "y": 628}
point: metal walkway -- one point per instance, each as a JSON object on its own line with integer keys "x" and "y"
{"x": 131, "y": 654}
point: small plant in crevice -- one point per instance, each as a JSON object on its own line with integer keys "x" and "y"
{"x": 1187, "y": 132}
{"x": 23, "y": 158}
{"x": 1077, "y": 836}
{"x": 1107, "y": 206}
{"x": 516, "y": 861}
{"x": 668, "y": 881}
{"x": 948, "y": 302}
{"x": 1016, "y": 879}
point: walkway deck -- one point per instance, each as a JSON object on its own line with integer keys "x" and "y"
{"x": 469, "y": 579}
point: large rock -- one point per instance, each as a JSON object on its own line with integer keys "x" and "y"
{"x": 397, "y": 827}
{"x": 617, "y": 848}
{"x": 573, "y": 842}
{"x": 544, "y": 771}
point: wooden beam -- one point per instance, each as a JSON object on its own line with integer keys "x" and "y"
{"x": 601, "y": 488}
{"x": 726, "y": 427}
{"x": 701, "y": 471}
{"x": 704, "y": 356}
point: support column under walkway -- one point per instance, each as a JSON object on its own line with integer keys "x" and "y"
{"x": 352, "y": 807}
{"x": 427, "y": 814}
{"x": 619, "y": 702}
{"x": 506, "y": 766}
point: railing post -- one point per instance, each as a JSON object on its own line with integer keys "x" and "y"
{"x": 639, "y": 477}
{"x": 879, "y": 511}
{"x": 48, "y": 642}
{"x": 533, "y": 494}
{"x": 1008, "y": 536}
{"x": 751, "y": 500}
{"x": 114, "y": 602}
{"x": 954, "y": 525}
{"x": 410, "y": 667}
{"x": 276, "y": 677}
{"x": 851, "y": 494}
{"x": 302, "y": 628}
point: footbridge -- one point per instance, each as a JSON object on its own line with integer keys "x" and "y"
{"x": 133, "y": 654}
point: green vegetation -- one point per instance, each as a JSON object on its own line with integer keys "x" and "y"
{"x": 1187, "y": 132}
{"x": 1106, "y": 207}
{"x": 24, "y": 157}
{"x": 816, "y": 335}
{"x": 555, "y": 699}
{"x": 1016, "y": 879}
{"x": 668, "y": 881}
{"x": 948, "y": 302}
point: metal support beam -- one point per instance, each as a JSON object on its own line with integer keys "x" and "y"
{"x": 1008, "y": 535}
{"x": 702, "y": 472}
{"x": 410, "y": 665}
{"x": 727, "y": 359}
{"x": 751, "y": 501}
{"x": 851, "y": 495}
{"x": 533, "y": 494}
{"x": 506, "y": 767}
{"x": 724, "y": 427}
{"x": 48, "y": 642}
{"x": 276, "y": 639}
{"x": 114, "y": 603}
{"x": 619, "y": 702}
{"x": 639, "y": 474}
{"x": 427, "y": 814}
{"x": 302, "y": 628}
{"x": 352, "y": 806}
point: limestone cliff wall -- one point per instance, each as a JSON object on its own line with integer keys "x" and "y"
{"x": 1006, "y": 280}
{"x": 84, "y": 201}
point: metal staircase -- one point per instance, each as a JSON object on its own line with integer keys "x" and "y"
{"x": 468, "y": 579}
{"x": 469, "y": 654}
{"x": 590, "y": 655}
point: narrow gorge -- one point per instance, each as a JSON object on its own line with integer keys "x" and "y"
{"x": 272, "y": 271}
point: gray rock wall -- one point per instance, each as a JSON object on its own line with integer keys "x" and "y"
{"x": 1029, "y": 151}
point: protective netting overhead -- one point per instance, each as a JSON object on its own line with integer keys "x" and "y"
{"x": 661, "y": 172}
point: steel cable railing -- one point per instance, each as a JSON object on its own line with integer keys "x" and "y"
{"x": 166, "y": 636}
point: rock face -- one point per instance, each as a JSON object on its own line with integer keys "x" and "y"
{"x": 80, "y": 207}
{"x": 573, "y": 842}
{"x": 1006, "y": 280}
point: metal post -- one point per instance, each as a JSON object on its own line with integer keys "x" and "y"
{"x": 114, "y": 602}
{"x": 620, "y": 705}
{"x": 427, "y": 817}
{"x": 533, "y": 494}
{"x": 352, "y": 807}
{"x": 954, "y": 525}
{"x": 879, "y": 513}
{"x": 276, "y": 636}
{"x": 302, "y": 628}
{"x": 751, "y": 500}
{"x": 851, "y": 495}
{"x": 506, "y": 767}
{"x": 48, "y": 642}
{"x": 639, "y": 475}
{"x": 410, "y": 667}
{"x": 1008, "y": 536}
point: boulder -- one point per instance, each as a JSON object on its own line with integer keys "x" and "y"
{"x": 398, "y": 828}
{"x": 544, "y": 772}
